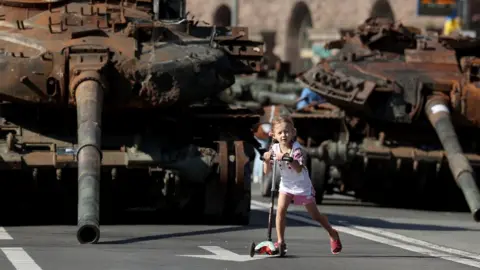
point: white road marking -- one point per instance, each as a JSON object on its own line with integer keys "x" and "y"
{"x": 418, "y": 242}
{"x": 256, "y": 207}
{"x": 4, "y": 234}
{"x": 442, "y": 252}
{"x": 222, "y": 254}
{"x": 20, "y": 259}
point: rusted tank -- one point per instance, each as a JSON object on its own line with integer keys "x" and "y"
{"x": 120, "y": 91}
{"x": 411, "y": 125}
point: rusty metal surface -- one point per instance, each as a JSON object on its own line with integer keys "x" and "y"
{"x": 223, "y": 161}
{"x": 463, "y": 173}
{"x": 404, "y": 95}
{"x": 387, "y": 57}
{"x": 240, "y": 161}
{"x": 31, "y": 3}
{"x": 227, "y": 112}
{"x": 128, "y": 86}
{"x": 373, "y": 150}
{"x": 44, "y": 47}
{"x": 110, "y": 158}
{"x": 139, "y": 62}
{"x": 319, "y": 111}
{"x": 313, "y": 111}
{"x": 267, "y": 87}
{"x": 469, "y": 102}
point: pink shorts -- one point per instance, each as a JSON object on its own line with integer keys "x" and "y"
{"x": 300, "y": 199}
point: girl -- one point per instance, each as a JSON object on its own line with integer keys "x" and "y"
{"x": 295, "y": 184}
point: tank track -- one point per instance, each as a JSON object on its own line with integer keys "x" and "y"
{"x": 204, "y": 179}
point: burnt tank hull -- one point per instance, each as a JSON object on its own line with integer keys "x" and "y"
{"x": 410, "y": 131}
{"x": 106, "y": 107}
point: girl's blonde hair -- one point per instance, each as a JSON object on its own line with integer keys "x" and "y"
{"x": 282, "y": 119}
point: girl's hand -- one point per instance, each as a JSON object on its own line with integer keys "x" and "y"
{"x": 279, "y": 156}
{"x": 266, "y": 156}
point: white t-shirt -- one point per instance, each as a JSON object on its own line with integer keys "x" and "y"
{"x": 291, "y": 181}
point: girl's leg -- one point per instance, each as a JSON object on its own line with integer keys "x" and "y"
{"x": 282, "y": 206}
{"x": 322, "y": 219}
{"x": 335, "y": 243}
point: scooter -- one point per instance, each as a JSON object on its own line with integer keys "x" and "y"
{"x": 268, "y": 247}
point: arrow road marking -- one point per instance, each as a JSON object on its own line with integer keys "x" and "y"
{"x": 4, "y": 234}
{"x": 222, "y": 254}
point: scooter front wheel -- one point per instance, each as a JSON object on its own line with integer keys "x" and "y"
{"x": 252, "y": 249}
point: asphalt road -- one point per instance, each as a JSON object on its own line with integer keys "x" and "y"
{"x": 373, "y": 238}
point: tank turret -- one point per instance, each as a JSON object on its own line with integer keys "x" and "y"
{"x": 409, "y": 99}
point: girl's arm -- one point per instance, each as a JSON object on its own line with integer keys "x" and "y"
{"x": 267, "y": 166}
{"x": 267, "y": 163}
{"x": 298, "y": 160}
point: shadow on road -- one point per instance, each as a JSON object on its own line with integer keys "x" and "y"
{"x": 258, "y": 220}
{"x": 336, "y": 219}
{"x": 173, "y": 235}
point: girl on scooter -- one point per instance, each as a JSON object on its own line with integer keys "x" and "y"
{"x": 295, "y": 184}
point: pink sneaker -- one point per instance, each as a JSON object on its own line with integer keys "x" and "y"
{"x": 335, "y": 244}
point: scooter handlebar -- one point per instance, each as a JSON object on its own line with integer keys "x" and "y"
{"x": 284, "y": 158}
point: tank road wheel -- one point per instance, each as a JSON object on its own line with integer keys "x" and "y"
{"x": 216, "y": 186}
{"x": 318, "y": 174}
{"x": 228, "y": 189}
{"x": 241, "y": 183}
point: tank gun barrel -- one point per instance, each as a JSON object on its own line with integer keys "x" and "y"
{"x": 439, "y": 116}
{"x": 289, "y": 87}
{"x": 275, "y": 98}
{"x": 89, "y": 99}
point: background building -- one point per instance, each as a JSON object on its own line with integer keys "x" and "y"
{"x": 284, "y": 24}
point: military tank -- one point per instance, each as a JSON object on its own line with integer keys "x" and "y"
{"x": 113, "y": 98}
{"x": 411, "y": 126}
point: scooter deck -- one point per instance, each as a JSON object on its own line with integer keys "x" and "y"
{"x": 266, "y": 248}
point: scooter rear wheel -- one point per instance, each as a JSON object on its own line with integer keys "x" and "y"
{"x": 282, "y": 251}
